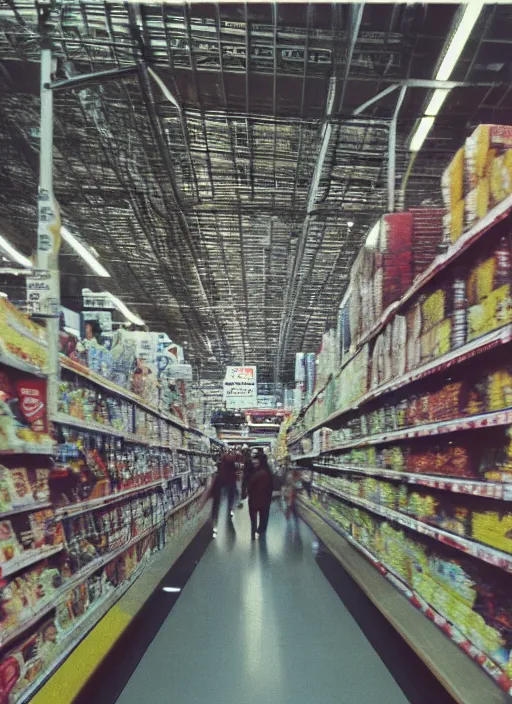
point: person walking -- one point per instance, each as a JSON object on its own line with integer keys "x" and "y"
{"x": 224, "y": 482}
{"x": 259, "y": 489}
{"x": 240, "y": 462}
{"x": 291, "y": 488}
{"x": 247, "y": 469}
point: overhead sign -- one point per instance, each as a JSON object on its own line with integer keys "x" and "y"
{"x": 40, "y": 298}
{"x": 266, "y": 401}
{"x": 240, "y": 387}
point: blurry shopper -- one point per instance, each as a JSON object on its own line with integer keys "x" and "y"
{"x": 224, "y": 482}
{"x": 259, "y": 488}
{"x": 291, "y": 488}
{"x": 240, "y": 462}
{"x": 248, "y": 470}
{"x": 307, "y": 481}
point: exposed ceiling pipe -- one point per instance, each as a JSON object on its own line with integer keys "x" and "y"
{"x": 293, "y": 291}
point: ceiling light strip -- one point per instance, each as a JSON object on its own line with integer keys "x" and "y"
{"x": 84, "y": 252}
{"x": 456, "y": 45}
{"x": 13, "y": 253}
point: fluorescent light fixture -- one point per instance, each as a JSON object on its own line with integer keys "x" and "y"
{"x": 425, "y": 124}
{"x": 455, "y": 47}
{"x": 82, "y": 250}
{"x": 14, "y": 254}
{"x": 458, "y": 41}
{"x": 424, "y": 127}
{"x": 97, "y": 300}
{"x": 122, "y": 308}
{"x": 436, "y": 102}
{"x": 172, "y": 590}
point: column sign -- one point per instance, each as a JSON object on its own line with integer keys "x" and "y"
{"x": 240, "y": 387}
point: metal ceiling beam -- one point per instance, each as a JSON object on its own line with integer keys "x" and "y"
{"x": 302, "y": 101}
{"x": 148, "y": 101}
{"x": 86, "y": 80}
{"x": 247, "y": 94}
{"x": 193, "y": 63}
{"x": 356, "y": 16}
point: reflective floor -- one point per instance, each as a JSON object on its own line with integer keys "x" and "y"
{"x": 259, "y": 623}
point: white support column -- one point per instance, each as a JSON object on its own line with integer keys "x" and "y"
{"x": 48, "y": 229}
{"x": 392, "y": 151}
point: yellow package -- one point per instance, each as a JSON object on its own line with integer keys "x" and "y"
{"x": 436, "y": 341}
{"x": 471, "y": 204}
{"x": 499, "y": 390}
{"x": 433, "y": 309}
{"x": 481, "y": 280}
{"x": 457, "y": 221}
{"x": 482, "y": 198}
{"x": 500, "y": 177}
{"x": 452, "y": 180}
{"x": 485, "y": 138}
{"x": 493, "y": 528}
{"x": 477, "y": 146}
{"x": 492, "y": 313}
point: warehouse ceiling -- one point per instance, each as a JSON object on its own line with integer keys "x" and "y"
{"x": 217, "y": 183}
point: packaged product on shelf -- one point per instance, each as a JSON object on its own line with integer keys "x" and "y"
{"x": 45, "y": 529}
{"x": 72, "y": 608}
{"x": 496, "y": 458}
{"x": 393, "y": 457}
{"x": 388, "y": 352}
{"x": 21, "y": 492}
{"x": 343, "y": 335}
{"x": 470, "y": 594}
{"x": 477, "y": 202}
{"x": 427, "y": 235}
{"x": 25, "y": 664}
{"x": 123, "y": 359}
{"x": 499, "y": 389}
{"x": 446, "y": 458}
{"x": 354, "y": 380}
{"x": 493, "y": 528}
{"x": 452, "y": 181}
{"x": 377, "y": 366}
{"x": 459, "y": 315}
{"x": 482, "y": 147}
{"x": 21, "y": 337}
{"x": 85, "y": 540}
{"x": 23, "y": 591}
{"x": 395, "y": 247}
{"x": 362, "y": 309}
{"x": 22, "y": 412}
{"x": 500, "y": 178}
{"x": 398, "y": 346}
{"x": 10, "y": 546}
{"x": 454, "y": 222}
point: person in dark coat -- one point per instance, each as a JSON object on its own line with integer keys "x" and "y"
{"x": 224, "y": 482}
{"x": 248, "y": 470}
{"x": 259, "y": 489}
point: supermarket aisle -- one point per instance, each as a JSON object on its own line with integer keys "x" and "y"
{"x": 260, "y": 623}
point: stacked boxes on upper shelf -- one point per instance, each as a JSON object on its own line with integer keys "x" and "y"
{"x": 478, "y": 178}
{"x": 401, "y": 246}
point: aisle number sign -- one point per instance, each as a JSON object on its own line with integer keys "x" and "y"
{"x": 240, "y": 387}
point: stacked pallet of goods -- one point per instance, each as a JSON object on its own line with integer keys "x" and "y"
{"x": 398, "y": 472}
{"x": 86, "y": 495}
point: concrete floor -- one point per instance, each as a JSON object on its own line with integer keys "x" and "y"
{"x": 259, "y": 623}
